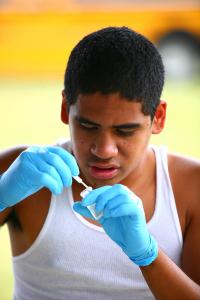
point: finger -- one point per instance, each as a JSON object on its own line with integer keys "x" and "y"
{"x": 105, "y": 197}
{"x": 115, "y": 203}
{"x": 125, "y": 209}
{"x": 68, "y": 158}
{"x": 61, "y": 167}
{"x": 84, "y": 211}
{"x": 45, "y": 180}
{"x": 91, "y": 197}
{"x": 45, "y": 168}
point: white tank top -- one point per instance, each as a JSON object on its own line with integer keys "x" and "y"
{"x": 74, "y": 259}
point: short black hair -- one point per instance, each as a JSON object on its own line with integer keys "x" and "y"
{"x": 116, "y": 59}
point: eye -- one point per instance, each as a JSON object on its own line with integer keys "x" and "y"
{"x": 125, "y": 131}
{"x": 88, "y": 126}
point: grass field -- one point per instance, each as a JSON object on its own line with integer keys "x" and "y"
{"x": 30, "y": 113}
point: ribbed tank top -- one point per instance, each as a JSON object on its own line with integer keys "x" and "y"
{"x": 74, "y": 259}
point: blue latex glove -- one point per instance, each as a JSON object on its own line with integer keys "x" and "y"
{"x": 123, "y": 220}
{"x": 33, "y": 169}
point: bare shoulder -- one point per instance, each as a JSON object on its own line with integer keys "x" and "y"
{"x": 9, "y": 155}
{"x": 185, "y": 172}
{"x": 185, "y": 178}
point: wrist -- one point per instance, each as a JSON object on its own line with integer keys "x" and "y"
{"x": 149, "y": 255}
{"x": 2, "y": 207}
{"x": 2, "y": 200}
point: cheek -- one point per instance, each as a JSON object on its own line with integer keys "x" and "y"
{"x": 134, "y": 147}
{"x": 76, "y": 137}
{"x": 80, "y": 148}
{"x": 82, "y": 143}
{"x": 79, "y": 145}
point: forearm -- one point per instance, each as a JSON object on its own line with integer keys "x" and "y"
{"x": 124, "y": 221}
{"x": 167, "y": 281}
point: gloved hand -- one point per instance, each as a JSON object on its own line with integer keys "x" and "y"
{"x": 123, "y": 220}
{"x": 33, "y": 169}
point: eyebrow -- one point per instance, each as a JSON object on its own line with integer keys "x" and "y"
{"x": 120, "y": 126}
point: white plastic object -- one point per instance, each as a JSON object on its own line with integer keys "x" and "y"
{"x": 91, "y": 207}
{"x": 80, "y": 180}
{"x": 84, "y": 193}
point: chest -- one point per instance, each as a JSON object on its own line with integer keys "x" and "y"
{"x": 81, "y": 255}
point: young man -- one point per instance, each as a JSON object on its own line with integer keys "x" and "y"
{"x": 146, "y": 242}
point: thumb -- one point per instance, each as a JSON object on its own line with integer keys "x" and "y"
{"x": 82, "y": 210}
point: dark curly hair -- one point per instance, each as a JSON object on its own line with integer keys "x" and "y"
{"x": 116, "y": 59}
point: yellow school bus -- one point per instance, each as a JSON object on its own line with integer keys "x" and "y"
{"x": 37, "y": 36}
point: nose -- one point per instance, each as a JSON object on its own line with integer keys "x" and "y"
{"x": 104, "y": 146}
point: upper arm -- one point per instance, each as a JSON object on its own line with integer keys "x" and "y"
{"x": 191, "y": 247}
{"x": 6, "y": 159}
{"x": 185, "y": 175}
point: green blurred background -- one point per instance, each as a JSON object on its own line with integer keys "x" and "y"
{"x": 36, "y": 38}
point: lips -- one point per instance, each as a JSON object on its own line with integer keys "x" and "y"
{"x": 103, "y": 171}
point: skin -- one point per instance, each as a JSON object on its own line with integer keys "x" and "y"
{"x": 105, "y": 144}
{"x": 99, "y": 137}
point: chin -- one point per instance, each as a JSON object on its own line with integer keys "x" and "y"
{"x": 99, "y": 183}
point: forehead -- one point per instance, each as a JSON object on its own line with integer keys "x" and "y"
{"x": 109, "y": 108}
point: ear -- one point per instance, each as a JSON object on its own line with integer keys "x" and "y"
{"x": 64, "y": 109}
{"x": 159, "y": 117}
